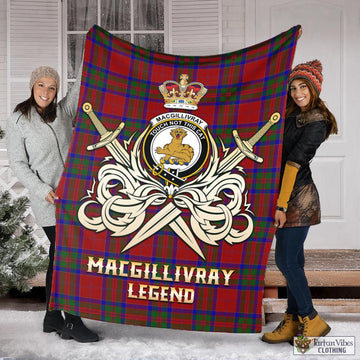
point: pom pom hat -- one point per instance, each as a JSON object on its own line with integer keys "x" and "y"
{"x": 311, "y": 71}
{"x": 44, "y": 71}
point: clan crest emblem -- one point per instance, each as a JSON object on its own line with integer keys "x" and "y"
{"x": 176, "y": 147}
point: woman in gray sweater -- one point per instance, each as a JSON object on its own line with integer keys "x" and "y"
{"x": 39, "y": 133}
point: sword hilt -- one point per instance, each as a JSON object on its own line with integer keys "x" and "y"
{"x": 106, "y": 137}
{"x": 87, "y": 107}
{"x": 274, "y": 118}
{"x": 246, "y": 146}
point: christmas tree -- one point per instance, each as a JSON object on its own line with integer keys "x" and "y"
{"x": 21, "y": 257}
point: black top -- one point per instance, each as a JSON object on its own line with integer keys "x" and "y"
{"x": 303, "y": 134}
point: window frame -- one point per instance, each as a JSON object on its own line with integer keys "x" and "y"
{"x": 65, "y": 33}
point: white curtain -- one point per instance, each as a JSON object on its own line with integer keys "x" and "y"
{"x": 81, "y": 16}
{"x": 115, "y": 15}
{"x": 148, "y": 15}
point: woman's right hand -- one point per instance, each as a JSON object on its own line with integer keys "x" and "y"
{"x": 280, "y": 219}
{"x": 51, "y": 197}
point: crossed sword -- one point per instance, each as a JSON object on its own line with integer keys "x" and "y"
{"x": 170, "y": 214}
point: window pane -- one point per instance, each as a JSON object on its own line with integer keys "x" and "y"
{"x": 76, "y": 46}
{"x": 126, "y": 37}
{"x": 148, "y": 14}
{"x": 115, "y": 14}
{"x": 154, "y": 42}
{"x": 81, "y": 14}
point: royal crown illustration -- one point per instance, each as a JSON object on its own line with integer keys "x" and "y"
{"x": 182, "y": 95}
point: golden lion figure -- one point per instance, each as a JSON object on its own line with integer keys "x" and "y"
{"x": 176, "y": 152}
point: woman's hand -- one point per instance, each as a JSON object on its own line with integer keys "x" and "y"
{"x": 280, "y": 219}
{"x": 51, "y": 197}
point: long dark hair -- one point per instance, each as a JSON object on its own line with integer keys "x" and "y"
{"x": 48, "y": 114}
{"x": 315, "y": 102}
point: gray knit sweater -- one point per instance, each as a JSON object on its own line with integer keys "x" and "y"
{"x": 37, "y": 152}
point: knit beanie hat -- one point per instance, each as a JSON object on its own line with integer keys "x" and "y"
{"x": 310, "y": 71}
{"x": 44, "y": 71}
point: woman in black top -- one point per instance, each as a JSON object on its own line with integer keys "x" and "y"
{"x": 308, "y": 124}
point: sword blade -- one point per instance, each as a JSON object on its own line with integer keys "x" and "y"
{"x": 231, "y": 161}
{"x": 118, "y": 152}
{"x": 182, "y": 230}
{"x": 166, "y": 215}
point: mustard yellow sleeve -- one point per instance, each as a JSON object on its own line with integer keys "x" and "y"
{"x": 287, "y": 184}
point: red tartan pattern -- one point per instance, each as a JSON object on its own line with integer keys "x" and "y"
{"x": 142, "y": 285}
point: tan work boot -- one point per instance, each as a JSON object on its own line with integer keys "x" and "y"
{"x": 285, "y": 331}
{"x": 315, "y": 327}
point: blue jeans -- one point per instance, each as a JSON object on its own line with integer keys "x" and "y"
{"x": 289, "y": 257}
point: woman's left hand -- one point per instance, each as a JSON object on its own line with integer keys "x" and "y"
{"x": 280, "y": 219}
{"x": 51, "y": 197}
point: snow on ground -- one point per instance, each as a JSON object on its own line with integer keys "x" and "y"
{"x": 21, "y": 338}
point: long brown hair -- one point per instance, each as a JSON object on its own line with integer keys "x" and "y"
{"x": 48, "y": 114}
{"x": 315, "y": 102}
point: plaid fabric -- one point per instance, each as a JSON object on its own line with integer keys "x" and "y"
{"x": 191, "y": 273}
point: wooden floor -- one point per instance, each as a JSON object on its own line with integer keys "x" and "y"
{"x": 335, "y": 269}
{"x": 345, "y": 260}
{"x": 323, "y": 268}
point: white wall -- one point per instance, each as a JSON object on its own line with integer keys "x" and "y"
{"x": 233, "y": 25}
{"x": 3, "y": 73}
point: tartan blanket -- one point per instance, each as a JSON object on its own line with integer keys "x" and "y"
{"x": 166, "y": 206}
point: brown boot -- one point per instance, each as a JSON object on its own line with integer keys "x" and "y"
{"x": 285, "y": 331}
{"x": 313, "y": 326}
